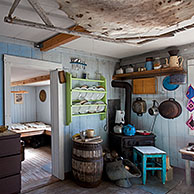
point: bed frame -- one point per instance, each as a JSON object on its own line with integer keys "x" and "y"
{"x": 33, "y": 131}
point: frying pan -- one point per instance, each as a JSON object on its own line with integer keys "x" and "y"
{"x": 170, "y": 109}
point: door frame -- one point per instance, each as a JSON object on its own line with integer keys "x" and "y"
{"x": 57, "y": 113}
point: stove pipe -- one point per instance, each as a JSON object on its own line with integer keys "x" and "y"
{"x": 128, "y": 94}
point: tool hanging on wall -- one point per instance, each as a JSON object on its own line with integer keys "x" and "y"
{"x": 62, "y": 78}
{"x": 153, "y": 111}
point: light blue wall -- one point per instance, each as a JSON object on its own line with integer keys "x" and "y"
{"x": 25, "y": 112}
{"x": 172, "y": 134}
{"x": 43, "y": 112}
{"x": 96, "y": 63}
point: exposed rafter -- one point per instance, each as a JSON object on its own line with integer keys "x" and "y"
{"x": 13, "y": 7}
{"x": 59, "y": 39}
{"x": 40, "y": 12}
{"x": 31, "y": 80}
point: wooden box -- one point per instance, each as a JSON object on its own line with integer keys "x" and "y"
{"x": 145, "y": 86}
{"x": 169, "y": 174}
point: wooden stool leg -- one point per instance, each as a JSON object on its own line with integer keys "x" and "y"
{"x": 144, "y": 169}
{"x": 188, "y": 172}
{"x": 163, "y": 169}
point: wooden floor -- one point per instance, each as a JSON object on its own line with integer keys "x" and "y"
{"x": 35, "y": 168}
{"x": 70, "y": 187}
{"x": 107, "y": 187}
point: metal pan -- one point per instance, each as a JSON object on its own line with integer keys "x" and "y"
{"x": 170, "y": 109}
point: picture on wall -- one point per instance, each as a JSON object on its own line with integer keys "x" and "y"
{"x": 19, "y": 98}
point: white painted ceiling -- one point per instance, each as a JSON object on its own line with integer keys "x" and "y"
{"x": 59, "y": 18}
{"x": 18, "y": 74}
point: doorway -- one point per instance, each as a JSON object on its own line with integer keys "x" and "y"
{"x": 57, "y": 114}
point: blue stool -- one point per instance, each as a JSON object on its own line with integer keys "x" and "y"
{"x": 146, "y": 152}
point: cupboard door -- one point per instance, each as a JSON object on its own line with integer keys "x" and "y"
{"x": 145, "y": 86}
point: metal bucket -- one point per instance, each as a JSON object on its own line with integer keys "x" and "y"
{"x": 87, "y": 164}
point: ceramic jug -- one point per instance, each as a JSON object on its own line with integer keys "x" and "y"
{"x": 174, "y": 61}
{"x": 120, "y": 117}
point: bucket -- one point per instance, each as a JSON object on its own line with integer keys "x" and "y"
{"x": 87, "y": 163}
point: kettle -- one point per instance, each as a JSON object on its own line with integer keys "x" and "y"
{"x": 154, "y": 109}
{"x": 129, "y": 130}
{"x": 139, "y": 106}
{"x": 174, "y": 61}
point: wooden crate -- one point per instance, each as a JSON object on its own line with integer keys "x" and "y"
{"x": 145, "y": 86}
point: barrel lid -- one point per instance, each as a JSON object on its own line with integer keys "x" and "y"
{"x": 95, "y": 141}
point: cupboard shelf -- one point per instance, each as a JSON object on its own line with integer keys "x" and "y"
{"x": 70, "y": 90}
{"x": 146, "y": 74}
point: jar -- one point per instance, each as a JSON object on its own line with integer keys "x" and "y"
{"x": 149, "y": 63}
{"x": 157, "y": 63}
{"x": 129, "y": 69}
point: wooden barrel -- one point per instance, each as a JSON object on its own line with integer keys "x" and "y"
{"x": 87, "y": 163}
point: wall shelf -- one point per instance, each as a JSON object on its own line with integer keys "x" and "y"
{"x": 146, "y": 74}
{"x": 87, "y": 80}
{"x": 69, "y": 101}
{"x": 89, "y": 114}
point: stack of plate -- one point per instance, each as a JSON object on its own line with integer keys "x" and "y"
{"x": 76, "y": 95}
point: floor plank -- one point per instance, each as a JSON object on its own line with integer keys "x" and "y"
{"x": 35, "y": 168}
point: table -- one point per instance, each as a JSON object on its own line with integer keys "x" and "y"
{"x": 187, "y": 156}
{"x": 151, "y": 152}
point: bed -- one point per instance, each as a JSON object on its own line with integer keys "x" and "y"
{"x": 31, "y": 129}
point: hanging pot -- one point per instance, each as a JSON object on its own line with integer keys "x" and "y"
{"x": 139, "y": 106}
{"x": 154, "y": 109}
{"x": 170, "y": 109}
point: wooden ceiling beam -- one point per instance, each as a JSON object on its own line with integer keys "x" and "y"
{"x": 31, "y": 80}
{"x": 60, "y": 39}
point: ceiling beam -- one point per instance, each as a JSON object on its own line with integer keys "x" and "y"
{"x": 63, "y": 30}
{"x": 60, "y": 39}
{"x": 40, "y": 12}
{"x": 31, "y": 80}
{"x": 13, "y": 7}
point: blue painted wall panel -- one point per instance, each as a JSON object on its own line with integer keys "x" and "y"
{"x": 25, "y": 112}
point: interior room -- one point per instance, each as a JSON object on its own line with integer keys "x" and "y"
{"x": 96, "y": 96}
{"x": 31, "y": 118}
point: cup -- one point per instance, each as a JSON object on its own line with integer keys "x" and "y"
{"x": 90, "y": 132}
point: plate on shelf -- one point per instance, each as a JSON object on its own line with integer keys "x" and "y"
{"x": 89, "y": 96}
{"x": 75, "y": 110}
{"x": 84, "y": 109}
{"x": 92, "y": 109}
{"x": 82, "y": 95}
{"x": 75, "y": 95}
{"x": 100, "y": 108}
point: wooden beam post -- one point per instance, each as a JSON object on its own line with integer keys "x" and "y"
{"x": 31, "y": 80}
{"x": 60, "y": 39}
